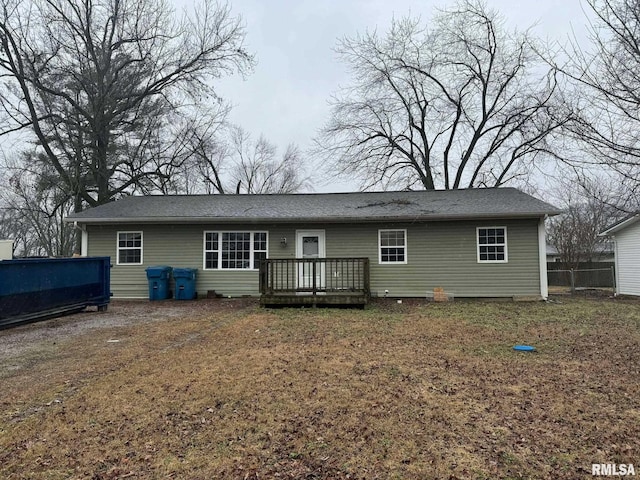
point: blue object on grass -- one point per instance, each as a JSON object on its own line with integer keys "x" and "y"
{"x": 524, "y": 348}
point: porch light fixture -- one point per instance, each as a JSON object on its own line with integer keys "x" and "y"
{"x": 283, "y": 242}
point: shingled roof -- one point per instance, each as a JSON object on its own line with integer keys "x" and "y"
{"x": 320, "y": 207}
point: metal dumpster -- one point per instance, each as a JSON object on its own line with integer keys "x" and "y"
{"x": 185, "y": 283}
{"x": 158, "y": 278}
{"x": 32, "y": 289}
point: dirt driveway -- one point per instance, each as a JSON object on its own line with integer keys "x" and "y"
{"x": 414, "y": 390}
{"x": 17, "y": 340}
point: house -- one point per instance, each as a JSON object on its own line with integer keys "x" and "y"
{"x": 6, "y": 249}
{"x": 602, "y": 252}
{"x": 469, "y": 243}
{"x": 626, "y": 240}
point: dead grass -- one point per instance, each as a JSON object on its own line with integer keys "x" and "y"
{"x": 424, "y": 391}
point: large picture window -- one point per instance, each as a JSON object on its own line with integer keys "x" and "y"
{"x": 392, "y": 246}
{"x": 129, "y": 248}
{"x": 234, "y": 250}
{"x": 492, "y": 245}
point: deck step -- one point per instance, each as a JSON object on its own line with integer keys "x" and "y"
{"x": 355, "y": 300}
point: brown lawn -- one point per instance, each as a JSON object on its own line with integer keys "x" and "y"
{"x": 415, "y": 391}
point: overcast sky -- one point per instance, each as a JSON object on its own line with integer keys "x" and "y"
{"x": 286, "y": 97}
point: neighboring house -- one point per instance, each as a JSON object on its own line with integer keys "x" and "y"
{"x": 626, "y": 239}
{"x": 470, "y": 243}
{"x": 6, "y": 249}
{"x": 603, "y": 252}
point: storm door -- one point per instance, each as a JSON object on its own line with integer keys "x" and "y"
{"x": 311, "y": 273}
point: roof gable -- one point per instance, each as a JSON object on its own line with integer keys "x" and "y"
{"x": 622, "y": 224}
{"x": 324, "y": 207}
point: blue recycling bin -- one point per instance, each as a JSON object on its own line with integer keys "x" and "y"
{"x": 158, "y": 278}
{"x": 185, "y": 283}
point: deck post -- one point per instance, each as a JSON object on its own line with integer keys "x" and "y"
{"x": 313, "y": 275}
{"x": 367, "y": 286}
{"x": 261, "y": 278}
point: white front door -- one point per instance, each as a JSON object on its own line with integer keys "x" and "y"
{"x": 310, "y": 245}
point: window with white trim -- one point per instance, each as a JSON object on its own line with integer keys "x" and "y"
{"x": 234, "y": 250}
{"x": 392, "y": 246}
{"x": 211, "y": 250}
{"x": 129, "y": 248}
{"x": 259, "y": 248}
{"x": 492, "y": 244}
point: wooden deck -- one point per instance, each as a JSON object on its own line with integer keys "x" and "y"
{"x": 315, "y": 282}
{"x": 283, "y": 300}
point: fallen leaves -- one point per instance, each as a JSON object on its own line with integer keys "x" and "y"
{"x": 414, "y": 390}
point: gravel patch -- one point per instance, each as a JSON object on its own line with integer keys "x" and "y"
{"x": 17, "y": 340}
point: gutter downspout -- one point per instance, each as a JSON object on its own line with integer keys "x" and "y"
{"x": 542, "y": 256}
{"x": 616, "y": 287}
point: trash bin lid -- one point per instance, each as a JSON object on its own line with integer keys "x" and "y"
{"x": 184, "y": 272}
{"x": 157, "y": 271}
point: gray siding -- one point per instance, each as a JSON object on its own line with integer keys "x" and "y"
{"x": 439, "y": 254}
{"x": 628, "y": 260}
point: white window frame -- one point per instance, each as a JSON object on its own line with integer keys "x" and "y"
{"x": 478, "y": 245}
{"x": 252, "y": 250}
{"x": 406, "y": 249}
{"x": 205, "y": 251}
{"x": 118, "y": 247}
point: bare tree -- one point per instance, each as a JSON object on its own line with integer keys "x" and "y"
{"x": 228, "y": 160}
{"x": 100, "y": 84}
{"x": 196, "y": 139}
{"x": 605, "y": 99}
{"x": 587, "y": 210}
{"x": 459, "y": 103}
{"x": 13, "y": 227}
{"x": 209, "y": 155}
{"x": 257, "y": 168}
{"x": 32, "y": 213}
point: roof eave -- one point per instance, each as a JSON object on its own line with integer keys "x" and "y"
{"x": 620, "y": 225}
{"x": 358, "y": 219}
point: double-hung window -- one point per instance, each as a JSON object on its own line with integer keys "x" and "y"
{"x": 492, "y": 244}
{"x": 129, "y": 248}
{"x": 392, "y": 245}
{"x": 211, "y": 250}
{"x": 234, "y": 250}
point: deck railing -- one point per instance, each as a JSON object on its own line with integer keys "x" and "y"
{"x": 314, "y": 276}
